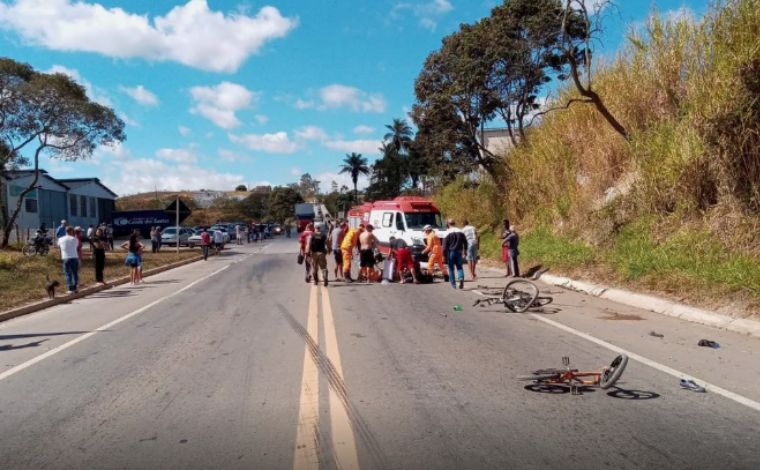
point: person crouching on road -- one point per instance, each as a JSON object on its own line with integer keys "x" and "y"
{"x": 70, "y": 257}
{"x": 317, "y": 250}
{"x": 335, "y": 239}
{"x": 367, "y": 243}
{"x": 434, "y": 251}
{"x": 404, "y": 260}
{"x": 453, "y": 245}
{"x": 347, "y": 249}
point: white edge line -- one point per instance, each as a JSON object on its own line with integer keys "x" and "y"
{"x": 649, "y": 362}
{"x": 105, "y": 327}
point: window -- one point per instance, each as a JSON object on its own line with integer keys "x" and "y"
{"x": 31, "y": 206}
{"x": 387, "y": 219}
{"x": 83, "y": 205}
{"x": 93, "y": 211}
{"x": 400, "y": 222}
{"x": 417, "y": 220}
{"x": 73, "y": 205}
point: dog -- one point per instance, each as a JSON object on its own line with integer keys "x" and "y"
{"x": 50, "y": 286}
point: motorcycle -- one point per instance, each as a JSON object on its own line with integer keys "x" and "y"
{"x": 39, "y": 245}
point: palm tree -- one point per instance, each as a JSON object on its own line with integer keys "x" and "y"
{"x": 355, "y": 165}
{"x": 400, "y": 135}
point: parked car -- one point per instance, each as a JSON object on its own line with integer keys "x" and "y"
{"x": 277, "y": 229}
{"x": 169, "y": 235}
{"x": 224, "y": 230}
{"x": 195, "y": 239}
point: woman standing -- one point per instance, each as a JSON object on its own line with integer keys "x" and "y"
{"x": 133, "y": 256}
{"x": 98, "y": 241}
{"x": 505, "y": 246}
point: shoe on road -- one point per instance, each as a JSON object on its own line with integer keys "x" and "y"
{"x": 693, "y": 386}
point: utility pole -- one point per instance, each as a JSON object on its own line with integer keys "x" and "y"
{"x": 177, "y": 224}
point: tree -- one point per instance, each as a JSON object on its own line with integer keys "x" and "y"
{"x": 308, "y": 187}
{"x": 241, "y": 188}
{"x": 283, "y": 201}
{"x": 578, "y": 29}
{"x": 55, "y": 117}
{"x": 388, "y": 174}
{"x": 453, "y": 102}
{"x": 399, "y": 135}
{"x": 355, "y": 165}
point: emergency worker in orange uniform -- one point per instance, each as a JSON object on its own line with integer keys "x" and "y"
{"x": 434, "y": 251}
{"x": 350, "y": 240}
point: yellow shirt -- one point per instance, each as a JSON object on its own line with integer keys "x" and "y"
{"x": 349, "y": 241}
{"x": 433, "y": 243}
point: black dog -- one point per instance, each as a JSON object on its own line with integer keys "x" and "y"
{"x": 50, "y": 287}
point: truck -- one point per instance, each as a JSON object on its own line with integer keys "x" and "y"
{"x": 307, "y": 213}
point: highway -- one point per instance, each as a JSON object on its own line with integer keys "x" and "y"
{"x": 236, "y": 363}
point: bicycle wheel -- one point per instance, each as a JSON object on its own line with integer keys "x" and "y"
{"x": 519, "y": 295}
{"x": 613, "y": 373}
{"x": 29, "y": 250}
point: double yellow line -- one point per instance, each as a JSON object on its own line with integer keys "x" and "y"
{"x": 308, "y": 438}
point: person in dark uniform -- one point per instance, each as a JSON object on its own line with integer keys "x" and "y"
{"x": 317, "y": 248}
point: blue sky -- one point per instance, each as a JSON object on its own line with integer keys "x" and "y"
{"x": 217, "y": 93}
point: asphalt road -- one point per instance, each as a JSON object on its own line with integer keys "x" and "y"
{"x": 237, "y": 363}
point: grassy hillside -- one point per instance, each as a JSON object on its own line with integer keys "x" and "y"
{"x": 676, "y": 210}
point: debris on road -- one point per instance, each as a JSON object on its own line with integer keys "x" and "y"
{"x": 457, "y": 308}
{"x": 656, "y": 334}
{"x": 708, "y": 343}
{"x": 688, "y": 384}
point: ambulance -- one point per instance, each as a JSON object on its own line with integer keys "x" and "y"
{"x": 403, "y": 217}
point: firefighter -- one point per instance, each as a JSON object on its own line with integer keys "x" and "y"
{"x": 434, "y": 251}
{"x": 347, "y": 248}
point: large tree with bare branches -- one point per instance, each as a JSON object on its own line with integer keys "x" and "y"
{"x": 48, "y": 115}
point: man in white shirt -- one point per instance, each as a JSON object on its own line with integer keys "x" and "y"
{"x": 68, "y": 245}
{"x": 473, "y": 243}
{"x": 218, "y": 239}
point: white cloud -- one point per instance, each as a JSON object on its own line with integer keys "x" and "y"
{"x": 277, "y": 142}
{"x": 184, "y": 131}
{"x": 338, "y": 96}
{"x": 362, "y": 129}
{"x": 115, "y": 150}
{"x": 220, "y": 103}
{"x": 230, "y": 156}
{"x": 427, "y": 13}
{"x": 304, "y": 104}
{"x": 366, "y": 147}
{"x": 343, "y": 179}
{"x": 190, "y": 34}
{"x": 128, "y": 120}
{"x": 296, "y": 171}
{"x": 140, "y": 94}
{"x": 311, "y": 133}
{"x": 177, "y": 155}
{"x": 146, "y": 174}
{"x": 95, "y": 94}
{"x": 261, "y": 119}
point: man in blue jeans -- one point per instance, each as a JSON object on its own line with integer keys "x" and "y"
{"x": 68, "y": 245}
{"x": 453, "y": 246}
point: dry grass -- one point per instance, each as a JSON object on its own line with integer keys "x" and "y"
{"x": 23, "y": 278}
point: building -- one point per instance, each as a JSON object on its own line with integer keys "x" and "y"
{"x": 81, "y": 201}
{"x": 496, "y": 140}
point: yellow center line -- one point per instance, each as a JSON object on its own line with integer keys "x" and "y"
{"x": 307, "y": 439}
{"x": 342, "y": 432}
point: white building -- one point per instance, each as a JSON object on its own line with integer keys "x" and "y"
{"x": 496, "y": 140}
{"x": 81, "y": 201}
